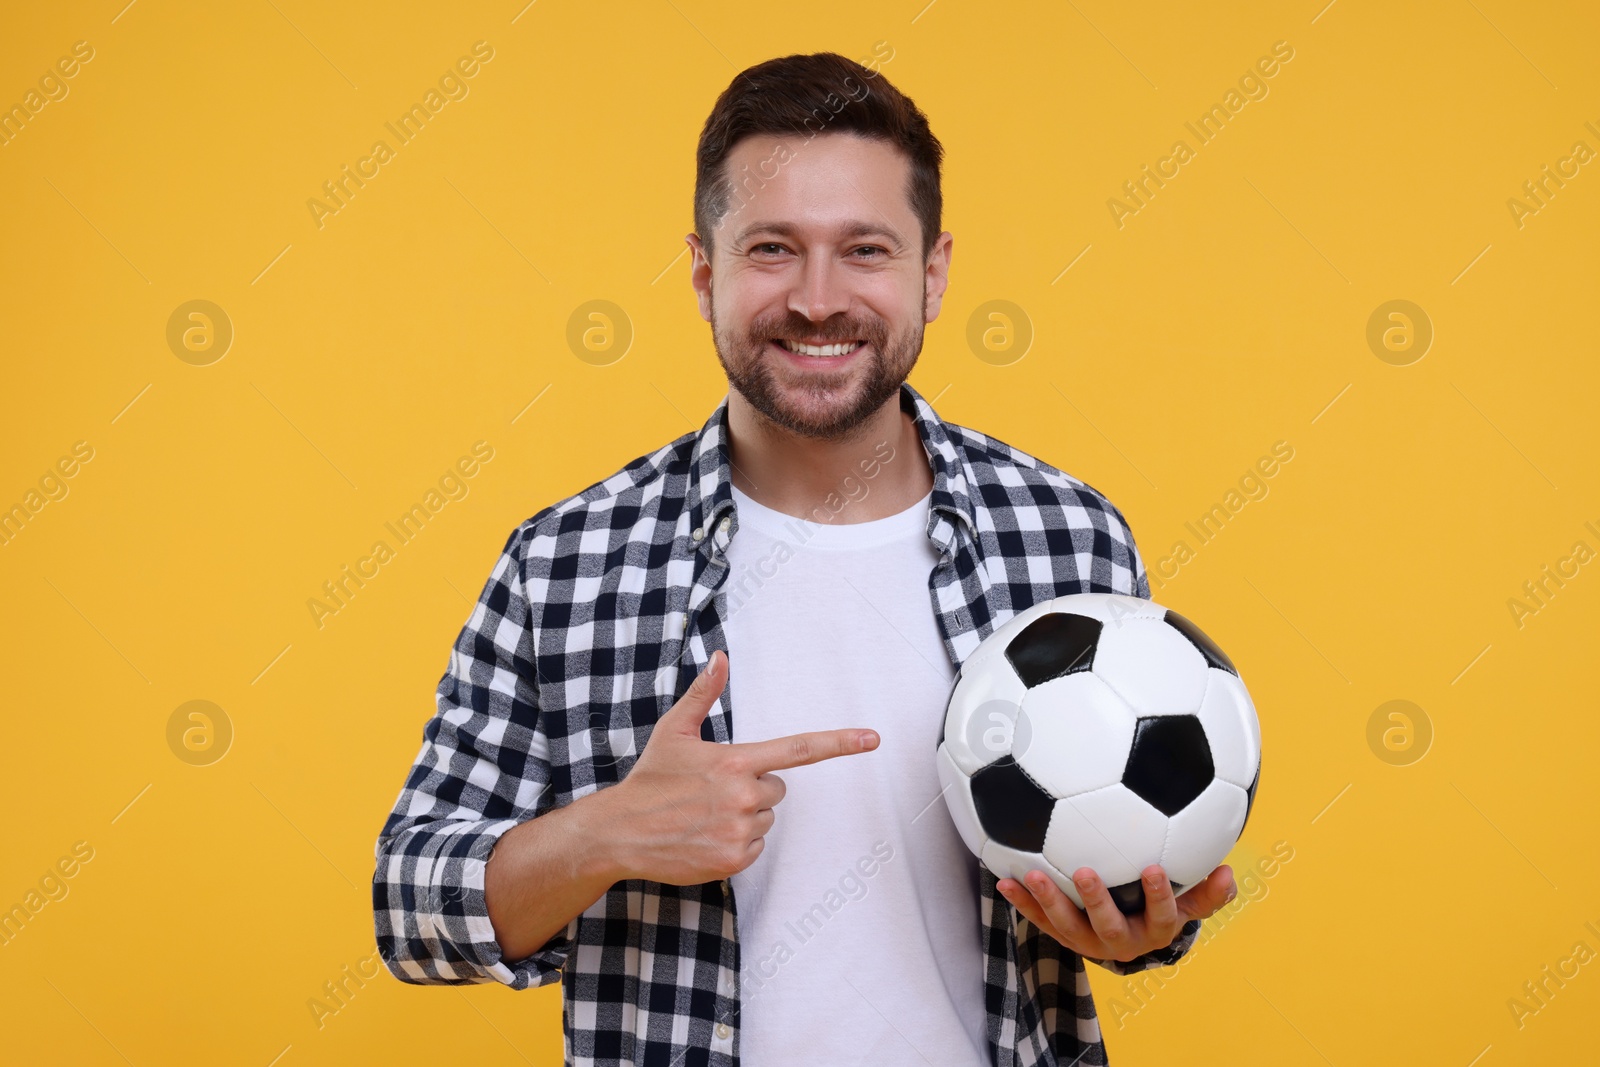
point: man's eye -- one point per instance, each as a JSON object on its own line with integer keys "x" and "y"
{"x": 769, "y": 247}
{"x": 869, "y": 248}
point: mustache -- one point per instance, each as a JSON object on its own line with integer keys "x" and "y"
{"x": 830, "y": 332}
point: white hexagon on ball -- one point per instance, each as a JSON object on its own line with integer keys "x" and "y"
{"x": 981, "y": 719}
{"x": 1202, "y": 834}
{"x": 1067, "y": 728}
{"x": 1111, "y": 830}
{"x": 1232, "y": 728}
{"x": 1124, "y": 657}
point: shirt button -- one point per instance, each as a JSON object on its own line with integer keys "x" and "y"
{"x": 723, "y": 1031}
{"x": 725, "y": 524}
{"x": 699, "y": 533}
{"x": 727, "y": 887}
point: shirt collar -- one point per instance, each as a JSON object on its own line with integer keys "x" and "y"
{"x": 710, "y": 490}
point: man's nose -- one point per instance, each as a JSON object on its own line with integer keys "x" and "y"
{"x": 820, "y": 291}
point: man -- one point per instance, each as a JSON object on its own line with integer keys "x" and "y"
{"x": 580, "y": 811}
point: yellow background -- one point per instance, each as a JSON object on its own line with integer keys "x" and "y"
{"x": 1228, "y": 314}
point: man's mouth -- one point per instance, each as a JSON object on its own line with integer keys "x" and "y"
{"x": 800, "y": 348}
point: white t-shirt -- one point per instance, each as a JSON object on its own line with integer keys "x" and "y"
{"x": 858, "y": 925}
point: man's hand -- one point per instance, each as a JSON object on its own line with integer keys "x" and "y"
{"x": 1104, "y": 933}
{"x": 691, "y": 810}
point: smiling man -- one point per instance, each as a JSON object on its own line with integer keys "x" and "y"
{"x": 591, "y": 804}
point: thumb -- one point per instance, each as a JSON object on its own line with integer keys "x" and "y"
{"x": 691, "y": 709}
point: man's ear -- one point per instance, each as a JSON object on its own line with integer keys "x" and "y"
{"x": 700, "y": 274}
{"x": 936, "y": 277}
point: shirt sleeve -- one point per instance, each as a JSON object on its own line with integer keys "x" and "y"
{"x": 1141, "y": 578}
{"x": 483, "y": 766}
{"x": 1141, "y": 583}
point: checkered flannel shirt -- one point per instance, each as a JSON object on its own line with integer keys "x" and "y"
{"x": 600, "y": 610}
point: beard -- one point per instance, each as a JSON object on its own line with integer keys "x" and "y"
{"x": 826, "y": 406}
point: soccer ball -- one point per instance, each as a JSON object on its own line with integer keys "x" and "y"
{"x": 1101, "y": 731}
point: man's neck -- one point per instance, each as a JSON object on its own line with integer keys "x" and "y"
{"x": 880, "y": 470}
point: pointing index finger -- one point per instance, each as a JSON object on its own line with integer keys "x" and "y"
{"x": 797, "y": 750}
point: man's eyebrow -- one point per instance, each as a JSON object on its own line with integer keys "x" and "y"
{"x": 847, "y": 231}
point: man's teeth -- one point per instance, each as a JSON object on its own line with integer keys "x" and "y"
{"x": 820, "y": 350}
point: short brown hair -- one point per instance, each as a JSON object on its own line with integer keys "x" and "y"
{"x": 811, "y": 94}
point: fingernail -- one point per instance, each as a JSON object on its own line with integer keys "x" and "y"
{"x": 1233, "y": 891}
{"x": 1083, "y": 883}
{"x": 869, "y": 740}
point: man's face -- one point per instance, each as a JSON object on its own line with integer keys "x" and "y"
{"x": 819, "y": 247}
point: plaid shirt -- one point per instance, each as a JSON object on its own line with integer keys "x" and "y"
{"x": 600, "y": 611}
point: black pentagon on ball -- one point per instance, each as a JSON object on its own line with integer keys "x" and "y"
{"x": 1012, "y": 809}
{"x": 1169, "y": 763}
{"x": 1197, "y": 637}
{"x": 1053, "y": 645}
{"x": 1129, "y": 897}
